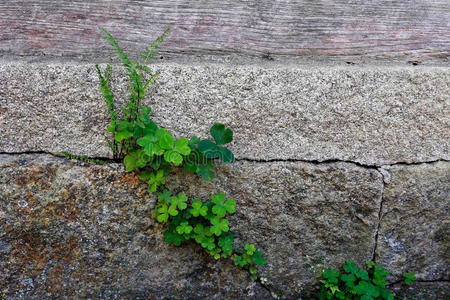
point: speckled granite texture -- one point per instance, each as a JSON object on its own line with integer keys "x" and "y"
{"x": 73, "y": 229}
{"x": 370, "y": 115}
{"x": 333, "y": 163}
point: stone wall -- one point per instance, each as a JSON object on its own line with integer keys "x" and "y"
{"x": 341, "y": 153}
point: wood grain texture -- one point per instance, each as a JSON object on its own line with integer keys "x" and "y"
{"x": 400, "y": 30}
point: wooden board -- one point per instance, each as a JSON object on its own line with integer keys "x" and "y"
{"x": 411, "y": 30}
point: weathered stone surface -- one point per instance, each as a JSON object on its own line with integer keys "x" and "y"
{"x": 74, "y": 230}
{"x": 423, "y": 290}
{"x": 77, "y": 229}
{"x": 303, "y": 216}
{"x": 369, "y": 115}
{"x": 414, "y": 233}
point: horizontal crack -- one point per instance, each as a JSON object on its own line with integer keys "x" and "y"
{"x": 312, "y": 161}
{"x": 66, "y": 155}
{"x": 421, "y": 281}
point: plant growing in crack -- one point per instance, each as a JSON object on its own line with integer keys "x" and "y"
{"x": 152, "y": 152}
{"x": 356, "y": 283}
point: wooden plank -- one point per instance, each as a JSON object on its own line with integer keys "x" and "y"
{"x": 402, "y": 30}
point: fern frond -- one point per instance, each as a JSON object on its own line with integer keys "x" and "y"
{"x": 151, "y": 80}
{"x": 150, "y": 51}
{"x": 137, "y": 89}
{"x": 105, "y": 89}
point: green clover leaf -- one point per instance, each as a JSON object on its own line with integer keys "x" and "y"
{"x": 215, "y": 252}
{"x": 194, "y": 142}
{"x": 208, "y": 243}
{"x": 350, "y": 267}
{"x": 240, "y": 260}
{"x": 150, "y": 144}
{"x": 135, "y": 159}
{"x": 226, "y": 243}
{"x": 164, "y": 197}
{"x": 209, "y": 149}
{"x": 386, "y": 294}
{"x": 362, "y": 274}
{"x": 212, "y": 151}
{"x": 373, "y": 291}
{"x": 250, "y": 249}
{"x": 163, "y": 213}
{"x": 173, "y": 157}
{"x": 380, "y": 271}
{"x": 367, "y": 290}
{"x": 172, "y": 237}
{"x": 258, "y": 258}
{"x": 221, "y": 134}
{"x": 122, "y": 135}
{"x": 173, "y": 210}
{"x": 184, "y": 227}
{"x": 219, "y": 225}
{"x": 156, "y": 180}
{"x": 370, "y": 264}
{"x": 202, "y": 233}
{"x": 409, "y": 278}
{"x": 182, "y": 146}
{"x": 331, "y": 275}
{"x": 226, "y": 155}
{"x": 166, "y": 140}
{"x": 179, "y": 201}
{"x": 206, "y": 171}
{"x": 198, "y": 208}
{"x": 361, "y": 288}
{"x": 222, "y": 206}
{"x": 349, "y": 280}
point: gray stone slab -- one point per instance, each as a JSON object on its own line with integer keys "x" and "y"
{"x": 78, "y": 230}
{"x": 371, "y": 115}
{"x": 305, "y": 217}
{"x": 415, "y": 225}
{"x": 71, "y": 228}
{"x": 423, "y": 290}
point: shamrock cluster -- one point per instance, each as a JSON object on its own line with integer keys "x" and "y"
{"x": 206, "y": 224}
{"x": 356, "y": 283}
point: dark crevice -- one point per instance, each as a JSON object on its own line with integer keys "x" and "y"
{"x": 414, "y": 163}
{"x": 62, "y": 155}
{"x": 312, "y": 161}
{"x": 264, "y": 286}
{"x": 380, "y": 211}
{"x": 327, "y": 161}
{"x": 420, "y": 281}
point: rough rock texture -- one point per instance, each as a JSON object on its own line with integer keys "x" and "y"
{"x": 414, "y": 234}
{"x": 369, "y": 115}
{"x": 303, "y": 216}
{"x": 77, "y": 230}
{"x": 423, "y": 290}
{"x": 69, "y": 228}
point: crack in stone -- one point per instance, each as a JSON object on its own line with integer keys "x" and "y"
{"x": 265, "y": 287}
{"x": 420, "y": 281}
{"x": 380, "y": 210}
{"x": 312, "y": 161}
{"x": 256, "y": 160}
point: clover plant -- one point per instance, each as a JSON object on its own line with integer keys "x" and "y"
{"x": 152, "y": 151}
{"x": 356, "y": 283}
